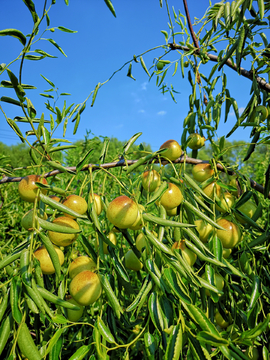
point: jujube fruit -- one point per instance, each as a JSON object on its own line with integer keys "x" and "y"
{"x": 97, "y": 203}
{"x": 81, "y": 263}
{"x": 138, "y": 223}
{"x": 173, "y": 151}
{"x": 226, "y": 252}
{"x": 188, "y": 254}
{"x": 132, "y": 262}
{"x": 28, "y": 188}
{"x": 44, "y": 258}
{"x": 112, "y": 237}
{"x": 220, "y": 321}
{"x": 204, "y": 229}
{"x": 195, "y": 141}
{"x": 74, "y": 315}
{"x": 75, "y": 203}
{"x": 85, "y": 288}
{"x": 248, "y": 208}
{"x": 150, "y": 180}
{"x": 212, "y": 189}
{"x": 160, "y": 65}
{"x": 171, "y": 197}
{"x": 62, "y": 239}
{"x": 202, "y": 172}
{"x": 218, "y": 282}
{"x": 141, "y": 242}
{"x": 231, "y": 236}
{"x": 227, "y": 201}
{"x": 122, "y": 212}
{"x": 27, "y": 220}
{"x": 172, "y": 212}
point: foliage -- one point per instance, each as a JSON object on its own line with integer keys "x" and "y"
{"x": 16, "y": 155}
{"x": 169, "y": 309}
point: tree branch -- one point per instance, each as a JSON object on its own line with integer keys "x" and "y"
{"x": 190, "y": 26}
{"x": 182, "y": 159}
{"x": 248, "y": 74}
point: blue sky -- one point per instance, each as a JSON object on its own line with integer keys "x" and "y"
{"x": 102, "y": 45}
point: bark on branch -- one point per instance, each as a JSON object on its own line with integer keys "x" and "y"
{"x": 248, "y": 74}
{"x": 182, "y": 159}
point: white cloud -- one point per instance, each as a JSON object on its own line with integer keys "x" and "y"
{"x": 162, "y": 112}
{"x": 119, "y": 126}
{"x": 144, "y": 85}
{"x": 241, "y": 109}
{"x": 141, "y": 111}
{"x": 232, "y": 113}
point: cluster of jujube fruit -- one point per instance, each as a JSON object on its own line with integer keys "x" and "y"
{"x": 85, "y": 286}
{"x": 124, "y": 213}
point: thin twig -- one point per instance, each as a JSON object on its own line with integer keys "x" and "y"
{"x": 123, "y": 162}
{"x": 190, "y": 26}
{"x": 248, "y": 74}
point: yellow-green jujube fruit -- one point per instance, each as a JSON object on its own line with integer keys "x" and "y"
{"x": 195, "y": 141}
{"x": 62, "y": 239}
{"x": 85, "y": 288}
{"x": 231, "y": 236}
{"x": 160, "y": 65}
{"x": 220, "y": 321}
{"x": 141, "y": 242}
{"x": 55, "y": 198}
{"x": 81, "y": 263}
{"x": 27, "y": 220}
{"x": 97, "y": 203}
{"x": 227, "y": 201}
{"x": 45, "y": 261}
{"x": 226, "y": 253}
{"x": 212, "y": 189}
{"x": 218, "y": 282}
{"x": 28, "y": 188}
{"x": 172, "y": 212}
{"x": 112, "y": 237}
{"x": 172, "y": 197}
{"x": 202, "y": 172}
{"x": 204, "y": 229}
{"x": 74, "y": 315}
{"x": 75, "y": 203}
{"x": 132, "y": 262}
{"x": 188, "y": 254}
{"x": 122, "y": 212}
{"x": 150, "y": 180}
{"x": 248, "y": 208}
{"x": 173, "y": 151}
{"x": 138, "y": 223}
{"x": 234, "y": 184}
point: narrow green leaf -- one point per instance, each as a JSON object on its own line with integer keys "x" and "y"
{"x": 48, "y": 81}
{"x": 105, "y": 331}
{"x": 60, "y": 167}
{"x": 54, "y": 340}
{"x": 14, "y": 33}
{"x": 212, "y": 339}
{"x": 144, "y": 66}
{"x": 175, "y": 287}
{"x": 84, "y": 161}
{"x": 112, "y": 298}
{"x": 62, "y": 28}
{"x": 57, "y": 46}
{"x": 131, "y": 141}
{"x": 155, "y": 311}
{"x": 175, "y": 343}
{"x": 110, "y": 6}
